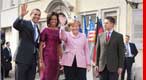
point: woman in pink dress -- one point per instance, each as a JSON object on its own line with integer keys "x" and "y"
{"x": 49, "y": 46}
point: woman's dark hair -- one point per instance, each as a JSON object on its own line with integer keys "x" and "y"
{"x": 62, "y": 14}
{"x": 111, "y": 19}
{"x": 49, "y": 16}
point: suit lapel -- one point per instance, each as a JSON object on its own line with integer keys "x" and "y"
{"x": 31, "y": 33}
{"x": 104, "y": 38}
{"x": 131, "y": 48}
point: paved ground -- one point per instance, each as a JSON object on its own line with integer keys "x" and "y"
{"x": 137, "y": 75}
{"x": 12, "y": 75}
{"x": 137, "y": 71}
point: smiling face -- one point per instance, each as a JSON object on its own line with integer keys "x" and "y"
{"x": 53, "y": 21}
{"x": 35, "y": 15}
{"x": 75, "y": 27}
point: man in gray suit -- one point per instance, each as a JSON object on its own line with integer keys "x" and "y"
{"x": 110, "y": 52}
{"x": 26, "y": 57}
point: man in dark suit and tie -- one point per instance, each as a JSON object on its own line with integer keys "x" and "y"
{"x": 110, "y": 52}
{"x": 26, "y": 57}
{"x": 131, "y": 52}
{"x": 8, "y": 58}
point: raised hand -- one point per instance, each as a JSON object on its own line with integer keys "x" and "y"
{"x": 62, "y": 20}
{"x": 24, "y": 10}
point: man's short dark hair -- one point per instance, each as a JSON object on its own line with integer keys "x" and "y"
{"x": 7, "y": 43}
{"x": 36, "y": 10}
{"x": 127, "y": 36}
{"x": 111, "y": 19}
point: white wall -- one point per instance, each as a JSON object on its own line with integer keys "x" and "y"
{"x": 8, "y": 17}
{"x": 7, "y": 4}
{"x": 137, "y": 28}
{"x": 87, "y": 5}
{"x": 0, "y": 11}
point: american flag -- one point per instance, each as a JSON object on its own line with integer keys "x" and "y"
{"x": 91, "y": 32}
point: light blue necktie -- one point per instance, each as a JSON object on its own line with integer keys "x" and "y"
{"x": 127, "y": 50}
{"x": 35, "y": 32}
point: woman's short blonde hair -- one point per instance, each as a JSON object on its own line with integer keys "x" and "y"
{"x": 73, "y": 22}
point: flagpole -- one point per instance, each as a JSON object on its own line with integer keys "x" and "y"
{"x": 96, "y": 30}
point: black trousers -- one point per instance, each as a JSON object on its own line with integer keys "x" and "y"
{"x": 107, "y": 75}
{"x": 74, "y": 73}
{"x": 2, "y": 72}
{"x": 25, "y": 71}
{"x": 127, "y": 66}
{"x": 7, "y": 73}
{"x": 8, "y": 67}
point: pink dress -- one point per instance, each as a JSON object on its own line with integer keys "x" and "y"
{"x": 51, "y": 60}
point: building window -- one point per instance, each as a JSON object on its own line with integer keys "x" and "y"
{"x": 88, "y": 16}
{"x": 114, "y": 12}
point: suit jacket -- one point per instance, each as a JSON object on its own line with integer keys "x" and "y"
{"x": 7, "y": 55}
{"x": 8, "y": 58}
{"x": 75, "y": 46}
{"x": 27, "y": 47}
{"x": 134, "y": 50}
{"x": 110, "y": 54}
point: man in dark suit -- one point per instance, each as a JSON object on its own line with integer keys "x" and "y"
{"x": 26, "y": 57}
{"x": 8, "y": 59}
{"x": 110, "y": 52}
{"x": 131, "y": 52}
